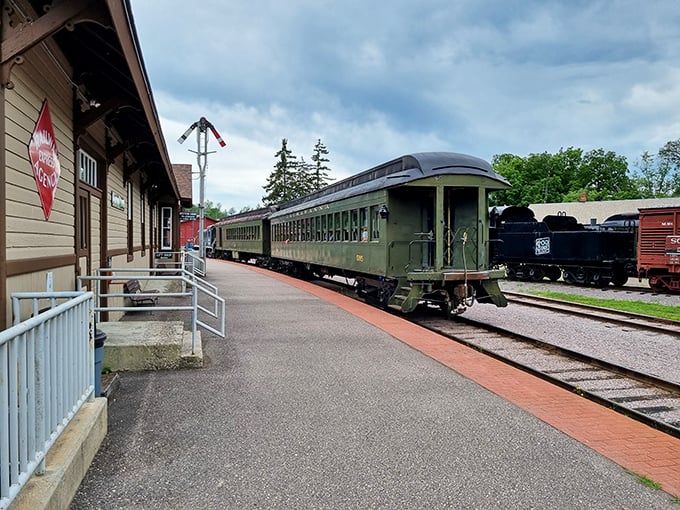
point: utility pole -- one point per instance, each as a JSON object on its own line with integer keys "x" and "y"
{"x": 202, "y": 159}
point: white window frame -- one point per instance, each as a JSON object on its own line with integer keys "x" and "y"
{"x": 88, "y": 168}
{"x": 130, "y": 199}
{"x": 166, "y": 226}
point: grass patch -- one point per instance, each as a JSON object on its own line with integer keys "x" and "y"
{"x": 639, "y": 307}
{"x": 645, "y": 480}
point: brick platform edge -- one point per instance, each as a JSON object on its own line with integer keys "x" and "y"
{"x": 632, "y": 445}
{"x": 67, "y": 461}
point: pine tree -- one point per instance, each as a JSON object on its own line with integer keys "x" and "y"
{"x": 281, "y": 184}
{"x": 302, "y": 178}
{"x": 320, "y": 171}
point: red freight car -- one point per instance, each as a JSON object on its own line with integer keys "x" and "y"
{"x": 658, "y": 253}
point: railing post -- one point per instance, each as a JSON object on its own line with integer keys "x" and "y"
{"x": 194, "y": 317}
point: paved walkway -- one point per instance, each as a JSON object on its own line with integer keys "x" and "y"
{"x": 312, "y": 402}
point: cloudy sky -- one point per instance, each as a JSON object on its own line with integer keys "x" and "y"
{"x": 376, "y": 80}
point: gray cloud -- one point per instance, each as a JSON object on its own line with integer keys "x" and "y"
{"x": 376, "y": 80}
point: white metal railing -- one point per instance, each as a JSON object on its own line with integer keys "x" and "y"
{"x": 193, "y": 264}
{"x": 46, "y": 374}
{"x": 199, "y": 290}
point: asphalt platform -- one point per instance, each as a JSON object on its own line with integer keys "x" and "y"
{"x": 317, "y": 401}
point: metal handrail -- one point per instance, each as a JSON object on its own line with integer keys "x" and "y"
{"x": 46, "y": 375}
{"x": 197, "y": 263}
{"x": 197, "y": 288}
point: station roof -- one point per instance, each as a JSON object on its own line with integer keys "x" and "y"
{"x": 96, "y": 44}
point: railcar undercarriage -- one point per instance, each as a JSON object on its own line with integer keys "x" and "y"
{"x": 453, "y": 297}
{"x": 580, "y": 275}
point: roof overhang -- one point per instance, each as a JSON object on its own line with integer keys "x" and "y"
{"x": 99, "y": 42}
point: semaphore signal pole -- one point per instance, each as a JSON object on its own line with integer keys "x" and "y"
{"x": 202, "y": 159}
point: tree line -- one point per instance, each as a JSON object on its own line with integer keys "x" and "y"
{"x": 569, "y": 175}
{"x": 572, "y": 175}
{"x": 291, "y": 178}
{"x": 294, "y": 178}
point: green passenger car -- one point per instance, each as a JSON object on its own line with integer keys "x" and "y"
{"x": 244, "y": 236}
{"x": 412, "y": 231}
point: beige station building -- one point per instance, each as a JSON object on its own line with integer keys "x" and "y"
{"x": 597, "y": 212}
{"x": 86, "y": 180}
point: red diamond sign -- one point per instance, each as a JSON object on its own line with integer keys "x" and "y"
{"x": 44, "y": 156}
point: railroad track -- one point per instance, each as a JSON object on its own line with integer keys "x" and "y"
{"x": 627, "y": 319}
{"x": 644, "y": 397}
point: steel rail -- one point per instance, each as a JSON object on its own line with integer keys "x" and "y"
{"x": 623, "y": 372}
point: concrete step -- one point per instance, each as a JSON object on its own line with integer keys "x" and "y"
{"x": 149, "y": 345}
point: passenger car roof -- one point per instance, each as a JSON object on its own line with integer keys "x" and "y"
{"x": 399, "y": 171}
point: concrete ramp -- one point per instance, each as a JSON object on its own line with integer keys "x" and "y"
{"x": 149, "y": 345}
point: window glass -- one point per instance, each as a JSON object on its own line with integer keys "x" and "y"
{"x": 166, "y": 228}
{"x": 375, "y": 223}
{"x": 337, "y": 225}
{"x": 363, "y": 224}
{"x": 88, "y": 168}
{"x": 345, "y": 225}
{"x": 355, "y": 224}
{"x": 329, "y": 224}
{"x": 84, "y": 224}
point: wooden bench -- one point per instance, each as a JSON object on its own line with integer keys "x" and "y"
{"x": 132, "y": 287}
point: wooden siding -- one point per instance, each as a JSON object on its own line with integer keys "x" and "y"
{"x": 28, "y": 233}
{"x": 117, "y": 218}
{"x": 37, "y": 282}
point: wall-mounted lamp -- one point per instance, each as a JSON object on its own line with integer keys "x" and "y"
{"x": 383, "y": 211}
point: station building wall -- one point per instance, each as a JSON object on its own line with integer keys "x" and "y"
{"x": 101, "y": 219}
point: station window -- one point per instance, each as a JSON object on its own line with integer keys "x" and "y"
{"x": 83, "y": 222}
{"x": 88, "y": 168}
{"x": 166, "y": 228}
{"x": 130, "y": 227}
{"x": 142, "y": 219}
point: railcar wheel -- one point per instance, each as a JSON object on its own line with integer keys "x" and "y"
{"x": 656, "y": 284}
{"x": 535, "y": 274}
{"x": 602, "y": 280}
{"x": 511, "y": 273}
{"x": 619, "y": 279}
{"x": 553, "y": 273}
